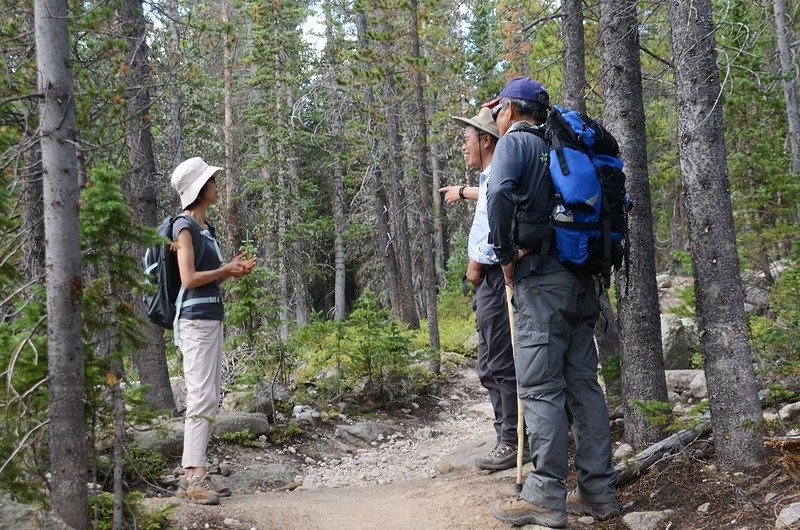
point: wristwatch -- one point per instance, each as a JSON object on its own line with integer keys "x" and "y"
{"x": 461, "y": 192}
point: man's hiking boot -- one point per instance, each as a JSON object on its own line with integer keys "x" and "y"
{"x": 200, "y": 489}
{"x": 519, "y": 512}
{"x": 599, "y": 510}
{"x": 503, "y": 456}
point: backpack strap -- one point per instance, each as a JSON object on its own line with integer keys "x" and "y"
{"x": 199, "y": 252}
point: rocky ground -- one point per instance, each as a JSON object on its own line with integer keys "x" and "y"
{"x": 414, "y": 470}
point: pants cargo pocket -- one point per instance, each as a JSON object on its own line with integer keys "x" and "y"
{"x": 532, "y": 358}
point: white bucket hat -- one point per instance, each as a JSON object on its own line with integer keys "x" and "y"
{"x": 189, "y": 178}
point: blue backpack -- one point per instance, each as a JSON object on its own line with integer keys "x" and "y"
{"x": 589, "y": 222}
{"x": 590, "y": 216}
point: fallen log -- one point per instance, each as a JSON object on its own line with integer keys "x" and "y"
{"x": 632, "y": 468}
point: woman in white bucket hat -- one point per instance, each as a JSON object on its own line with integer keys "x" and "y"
{"x": 199, "y": 313}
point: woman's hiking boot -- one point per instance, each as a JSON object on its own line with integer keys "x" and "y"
{"x": 200, "y": 489}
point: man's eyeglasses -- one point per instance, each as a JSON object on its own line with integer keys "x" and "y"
{"x": 466, "y": 137}
{"x": 497, "y": 110}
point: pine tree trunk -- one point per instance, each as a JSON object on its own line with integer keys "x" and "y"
{"x": 735, "y": 410}
{"x": 63, "y": 281}
{"x": 429, "y": 281}
{"x": 232, "y": 225}
{"x": 338, "y": 199}
{"x": 642, "y": 359}
{"x": 140, "y": 184}
{"x": 177, "y": 99}
{"x": 282, "y": 245}
{"x": 574, "y": 49}
{"x": 438, "y": 229}
{"x": 785, "y": 41}
{"x": 395, "y": 191}
{"x": 378, "y": 196}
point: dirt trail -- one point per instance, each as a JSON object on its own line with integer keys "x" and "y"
{"x": 458, "y": 496}
{"x": 458, "y": 500}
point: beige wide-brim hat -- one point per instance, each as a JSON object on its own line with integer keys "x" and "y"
{"x": 189, "y": 178}
{"x": 482, "y": 121}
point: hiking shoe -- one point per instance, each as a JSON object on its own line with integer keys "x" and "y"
{"x": 599, "y": 510}
{"x": 519, "y": 512}
{"x": 198, "y": 489}
{"x": 503, "y": 456}
{"x": 220, "y": 489}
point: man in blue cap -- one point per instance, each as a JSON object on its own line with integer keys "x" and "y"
{"x": 555, "y": 311}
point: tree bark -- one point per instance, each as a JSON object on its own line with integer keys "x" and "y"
{"x": 339, "y": 221}
{"x": 63, "y": 282}
{"x": 438, "y": 229}
{"x": 423, "y": 174}
{"x": 735, "y": 410}
{"x": 177, "y": 98}
{"x": 642, "y": 361}
{"x": 379, "y": 199}
{"x": 395, "y": 191}
{"x": 232, "y": 225}
{"x": 140, "y": 184}
{"x": 785, "y": 40}
{"x": 574, "y": 50}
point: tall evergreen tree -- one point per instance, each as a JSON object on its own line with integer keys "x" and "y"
{"x": 640, "y": 327}
{"x": 62, "y": 263}
{"x": 735, "y": 409}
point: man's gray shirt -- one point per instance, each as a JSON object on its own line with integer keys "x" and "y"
{"x": 520, "y": 182}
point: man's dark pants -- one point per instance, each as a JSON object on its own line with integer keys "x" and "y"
{"x": 495, "y": 356}
{"x": 556, "y": 363}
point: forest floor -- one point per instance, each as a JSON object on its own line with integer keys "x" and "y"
{"x": 422, "y": 478}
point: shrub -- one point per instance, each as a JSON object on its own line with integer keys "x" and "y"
{"x": 101, "y": 509}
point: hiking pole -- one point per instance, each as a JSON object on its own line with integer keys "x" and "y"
{"x": 520, "y": 412}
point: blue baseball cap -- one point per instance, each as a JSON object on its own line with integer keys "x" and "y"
{"x": 519, "y": 88}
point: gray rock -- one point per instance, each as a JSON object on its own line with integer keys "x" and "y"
{"x": 692, "y": 334}
{"x": 165, "y": 438}
{"x": 443, "y": 403}
{"x": 179, "y": 391}
{"x": 256, "y": 423}
{"x": 444, "y": 416}
{"x": 471, "y": 343}
{"x": 698, "y": 388}
{"x": 674, "y": 397}
{"x": 674, "y": 342}
{"x": 463, "y": 457}
{"x": 307, "y": 417}
{"x": 703, "y": 508}
{"x": 789, "y": 516}
{"x": 623, "y": 451}
{"x": 678, "y": 380}
{"x": 646, "y": 520}
{"x": 14, "y": 516}
{"x": 263, "y": 394}
{"x": 481, "y": 411}
{"x": 265, "y": 476}
{"x": 235, "y": 401}
{"x": 365, "y": 431}
{"x": 789, "y": 412}
{"x": 660, "y": 278}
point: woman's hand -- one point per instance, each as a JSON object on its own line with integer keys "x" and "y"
{"x": 239, "y": 266}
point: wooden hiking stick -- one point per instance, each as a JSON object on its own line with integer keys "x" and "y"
{"x": 520, "y": 412}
